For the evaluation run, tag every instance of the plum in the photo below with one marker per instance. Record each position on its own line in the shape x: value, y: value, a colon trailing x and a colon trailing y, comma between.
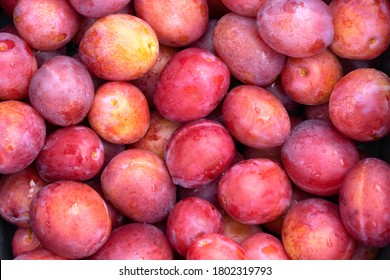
x: 264, y: 246
x: 254, y: 191
x: 119, y: 113
x: 198, y: 152
x: 237, y: 231
x: 359, y: 106
x: 96, y: 8
x: 190, y: 218
x: 70, y: 219
x: 62, y: 91
x: 214, y: 246
x: 71, y: 153
x: 313, y: 230
x: 16, y: 193
x: 18, y: 66
x: 45, y: 24
x: 317, y: 156
x: 138, y: 184
x: 310, y: 80
x: 176, y: 23
x: 365, y: 202
x: 296, y: 28
x: 194, y: 78
x: 119, y: 47
x: 39, y: 254
x: 361, y: 28
x: 135, y: 241
x: 247, y: 8
x: 249, y: 58
x: 23, y: 241
x: 159, y: 132
x: 255, y: 117
x: 23, y: 134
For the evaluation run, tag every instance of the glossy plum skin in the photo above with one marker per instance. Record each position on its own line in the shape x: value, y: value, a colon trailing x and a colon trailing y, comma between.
x: 135, y: 241
x: 190, y: 218
x: 194, y: 78
x: 157, y: 137
x: 23, y: 134
x: 359, y: 105
x: 310, y: 80
x: 312, y: 25
x: 70, y: 219
x: 71, y: 153
x: 16, y: 193
x: 313, y: 230
x: 362, y: 28
x: 255, y: 117
x: 254, y: 191
x: 138, y: 184
x: 119, y: 113
x: 96, y: 8
x: 18, y: 66
x: 244, y: 7
x: 198, y: 152
x: 23, y: 241
x: 45, y: 24
x: 39, y: 254
x: 264, y: 246
x: 237, y: 231
x: 188, y: 19
x: 238, y: 44
x: 316, y: 157
x: 147, y: 83
x: 62, y: 91
x: 119, y: 47
x: 214, y: 246
x: 365, y: 202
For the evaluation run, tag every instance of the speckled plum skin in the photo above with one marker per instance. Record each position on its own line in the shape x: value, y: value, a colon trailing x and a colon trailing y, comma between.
x: 365, y: 202
x: 214, y: 246
x: 191, y: 85
x: 23, y: 134
x: 310, y: 80
x: 45, y: 24
x: 70, y: 219
x: 254, y: 191
x: 317, y: 156
x: 198, y: 152
x: 136, y: 241
x: 255, y: 117
x: 359, y: 106
x: 97, y: 8
x: 238, y: 44
x: 296, y: 28
x: 16, y: 193
x: 190, y: 218
x: 18, y: 66
x: 138, y: 184
x: 62, y: 91
x: 313, y: 230
x: 188, y: 19
x: 71, y: 153
x: 362, y: 28
x: 119, y: 47
x: 119, y: 113
x: 264, y: 246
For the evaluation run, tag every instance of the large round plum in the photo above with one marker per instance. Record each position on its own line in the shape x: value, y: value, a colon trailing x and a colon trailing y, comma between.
x: 70, y: 219
x: 23, y: 134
